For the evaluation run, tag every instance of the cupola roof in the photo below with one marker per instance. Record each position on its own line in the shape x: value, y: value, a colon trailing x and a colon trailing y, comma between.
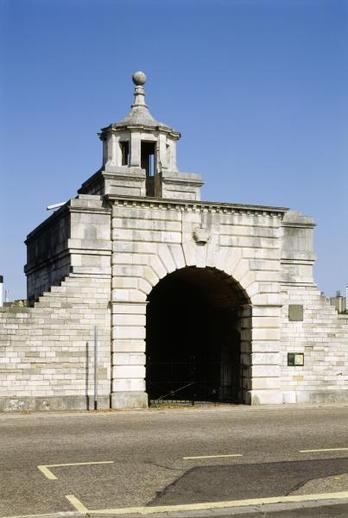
x: 139, y: 115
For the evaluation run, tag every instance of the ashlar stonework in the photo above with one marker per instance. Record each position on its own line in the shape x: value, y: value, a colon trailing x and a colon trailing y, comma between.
x: 191, y: 300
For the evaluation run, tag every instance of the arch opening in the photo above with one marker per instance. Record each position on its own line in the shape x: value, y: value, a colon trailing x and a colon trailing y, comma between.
x: 197, y: 338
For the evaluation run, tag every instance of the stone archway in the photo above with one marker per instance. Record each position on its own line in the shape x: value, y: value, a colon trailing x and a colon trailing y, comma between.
x: 196, y: 344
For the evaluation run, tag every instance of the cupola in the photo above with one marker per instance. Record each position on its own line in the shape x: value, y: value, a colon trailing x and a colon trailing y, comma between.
x: 139, y: 155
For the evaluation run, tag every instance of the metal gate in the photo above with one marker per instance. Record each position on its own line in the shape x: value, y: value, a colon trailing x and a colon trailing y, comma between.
x: 194, y: 380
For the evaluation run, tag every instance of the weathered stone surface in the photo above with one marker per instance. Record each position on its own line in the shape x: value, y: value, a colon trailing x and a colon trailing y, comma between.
x: 129, y: 400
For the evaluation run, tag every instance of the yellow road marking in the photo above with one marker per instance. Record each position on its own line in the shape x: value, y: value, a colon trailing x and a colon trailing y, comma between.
x: 44, y: 468
x: 75, y: 502
x: 213, y: 456
x: 323, y: 449
x: 220, y: 505
x: 342, y: 495
x: 38, y: 515
x: 48, y: 474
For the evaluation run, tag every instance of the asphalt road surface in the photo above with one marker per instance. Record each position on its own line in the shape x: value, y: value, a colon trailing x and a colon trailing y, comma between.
x: 216, y: 461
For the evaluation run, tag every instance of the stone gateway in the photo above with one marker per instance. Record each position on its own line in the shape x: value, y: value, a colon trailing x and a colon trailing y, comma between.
x: 185, y: 299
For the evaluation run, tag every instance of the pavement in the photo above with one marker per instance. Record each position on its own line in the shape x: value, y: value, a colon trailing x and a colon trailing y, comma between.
x: 216, y: 461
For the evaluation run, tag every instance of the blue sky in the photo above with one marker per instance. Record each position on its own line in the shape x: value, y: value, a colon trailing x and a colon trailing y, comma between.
x: 258, y: 89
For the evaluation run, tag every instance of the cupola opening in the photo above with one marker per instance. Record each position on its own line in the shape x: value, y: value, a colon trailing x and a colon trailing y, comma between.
x: 148, y: 157
x: 125, y: 152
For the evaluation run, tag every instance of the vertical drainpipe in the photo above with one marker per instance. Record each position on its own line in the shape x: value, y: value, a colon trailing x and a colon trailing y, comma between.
x: 1, y: 291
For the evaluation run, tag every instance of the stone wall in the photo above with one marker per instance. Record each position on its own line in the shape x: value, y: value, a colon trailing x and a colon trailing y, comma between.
x: 181, y: 186
x: 75, y: 239
x: 48, y: 260
x: 46, y: 352
x: 322, y: 336
x: 117, y: 250
x: 152, y: 239
x: 316, y: 331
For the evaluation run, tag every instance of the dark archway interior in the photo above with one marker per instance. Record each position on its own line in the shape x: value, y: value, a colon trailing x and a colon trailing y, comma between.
x: 193, y: 337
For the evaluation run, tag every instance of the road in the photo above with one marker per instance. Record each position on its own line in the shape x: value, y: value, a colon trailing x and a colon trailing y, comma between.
x: 221, y: 461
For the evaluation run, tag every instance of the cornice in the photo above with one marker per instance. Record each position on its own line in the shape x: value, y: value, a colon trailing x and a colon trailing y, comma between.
x: 119, y: 128
x: 298, y: 225
x: 192, y: 205
x: 175, y: 180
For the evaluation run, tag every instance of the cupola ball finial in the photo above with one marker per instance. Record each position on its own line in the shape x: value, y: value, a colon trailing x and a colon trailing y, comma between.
x: 139, y: 78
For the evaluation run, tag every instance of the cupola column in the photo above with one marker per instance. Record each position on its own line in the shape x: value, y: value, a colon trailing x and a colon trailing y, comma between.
x: 111, y: 150
x: 172, y: 155
x: 162, y: 152
x: 135, y: 149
